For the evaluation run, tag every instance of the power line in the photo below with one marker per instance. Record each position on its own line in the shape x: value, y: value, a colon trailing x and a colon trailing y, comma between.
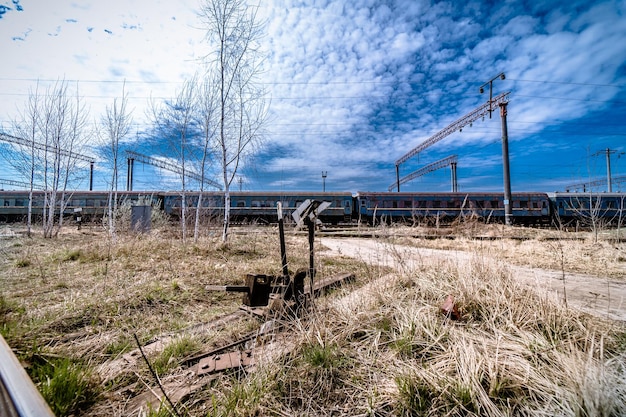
x: 373, y: 82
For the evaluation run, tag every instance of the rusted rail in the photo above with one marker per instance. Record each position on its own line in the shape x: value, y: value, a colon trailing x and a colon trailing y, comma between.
x: 218, y: 360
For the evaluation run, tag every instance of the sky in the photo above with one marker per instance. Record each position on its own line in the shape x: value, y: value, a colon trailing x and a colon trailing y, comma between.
x: 354, y: 85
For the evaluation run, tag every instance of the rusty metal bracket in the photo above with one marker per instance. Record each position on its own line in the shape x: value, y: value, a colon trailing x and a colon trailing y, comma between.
x: 221, y: 362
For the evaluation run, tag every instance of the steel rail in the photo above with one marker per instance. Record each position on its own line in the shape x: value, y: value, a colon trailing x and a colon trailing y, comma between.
x: 18, y: 394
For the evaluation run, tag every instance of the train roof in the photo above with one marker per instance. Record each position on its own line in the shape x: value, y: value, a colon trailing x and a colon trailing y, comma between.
x: 269, y: 193
x: 443, y: 194
x: 585, y: 194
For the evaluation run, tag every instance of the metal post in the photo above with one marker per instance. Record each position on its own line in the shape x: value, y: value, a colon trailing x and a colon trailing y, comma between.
x: 398, y: 176
x: 490, y: 82
x: 91, y: 176
x: 129, y: 174
x: 311, y: 226
x: 281, y: 233
x: 324, y: 175
x: 508, y: 213
x: 608, y: 170
x: 455, y: 187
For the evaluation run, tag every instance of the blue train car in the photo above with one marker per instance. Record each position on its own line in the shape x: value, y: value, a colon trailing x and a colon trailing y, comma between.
x: 585, y: 208
x: 14, y: 204
x: 212, y: 203
x: 526, y: 207
x: 261, y: 205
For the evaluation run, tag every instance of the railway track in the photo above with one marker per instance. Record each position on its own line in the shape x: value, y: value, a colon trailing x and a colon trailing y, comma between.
x: 445, y: 233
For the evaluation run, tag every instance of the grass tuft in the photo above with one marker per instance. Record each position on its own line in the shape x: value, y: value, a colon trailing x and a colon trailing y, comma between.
x: 23, y: 263
x: 169, y: 358
x: 68, y: 387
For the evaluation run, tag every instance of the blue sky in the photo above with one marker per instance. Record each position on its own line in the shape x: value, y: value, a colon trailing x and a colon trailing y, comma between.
x: 354, y: 85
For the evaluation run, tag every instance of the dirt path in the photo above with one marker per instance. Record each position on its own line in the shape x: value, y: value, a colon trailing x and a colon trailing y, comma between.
x: 593, y: 294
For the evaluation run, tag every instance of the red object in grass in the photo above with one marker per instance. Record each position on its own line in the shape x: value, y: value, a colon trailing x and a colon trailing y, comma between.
x: 449, y: 308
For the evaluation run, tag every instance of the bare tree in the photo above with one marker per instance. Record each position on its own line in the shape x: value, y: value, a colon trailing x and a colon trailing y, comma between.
x: 233, y: 33
x: 24, y: 160
x: 589, y: 211
x: 54, y: 123
x: 175, y: 119
x: 116, y: 124
x: 206, y: 110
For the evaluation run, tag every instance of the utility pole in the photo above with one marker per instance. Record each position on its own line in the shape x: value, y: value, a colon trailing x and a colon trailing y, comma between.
x: 490, y: 82
x: 240, y: 179
x: 324, y: 175
x: 608, y: 153
x: 609, y: 186
x: 508, y: 212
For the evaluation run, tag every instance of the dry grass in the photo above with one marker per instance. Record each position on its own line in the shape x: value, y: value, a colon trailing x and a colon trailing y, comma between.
x: 381, y: 349
x: 536, y: 248
x: 387, y: 350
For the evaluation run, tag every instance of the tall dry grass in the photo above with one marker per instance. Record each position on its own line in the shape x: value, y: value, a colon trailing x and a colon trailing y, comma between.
x: 386, y: 349
x: 382, y: 349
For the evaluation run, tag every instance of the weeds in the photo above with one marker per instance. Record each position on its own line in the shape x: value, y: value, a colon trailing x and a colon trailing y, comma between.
x: 173, y: 353
x: 381, y: 348
x: 415, y: 397
x: 23, y: 263
x: 68, y: 387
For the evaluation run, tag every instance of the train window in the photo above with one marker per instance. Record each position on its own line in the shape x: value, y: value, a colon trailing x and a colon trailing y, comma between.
x: 436, y: 203
x: 610, y: 204
x: 363, y: 203
x: 6, y: 203
x: 255, y: 203
x: 494, y: 204
x: 90, y: 202
x: 407, y: 204
x: 348, y: 204
x: 241, y: 203
x: 19, y: 203
x: 523, y: 204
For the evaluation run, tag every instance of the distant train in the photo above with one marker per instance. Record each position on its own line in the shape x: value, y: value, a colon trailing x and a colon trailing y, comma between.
x: 366, y: 207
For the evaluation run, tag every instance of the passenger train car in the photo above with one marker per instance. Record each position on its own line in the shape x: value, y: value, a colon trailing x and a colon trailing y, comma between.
x: 261, y: 206
x: 587, y: 207
x: 526, y: 207
x: 370, y: 207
